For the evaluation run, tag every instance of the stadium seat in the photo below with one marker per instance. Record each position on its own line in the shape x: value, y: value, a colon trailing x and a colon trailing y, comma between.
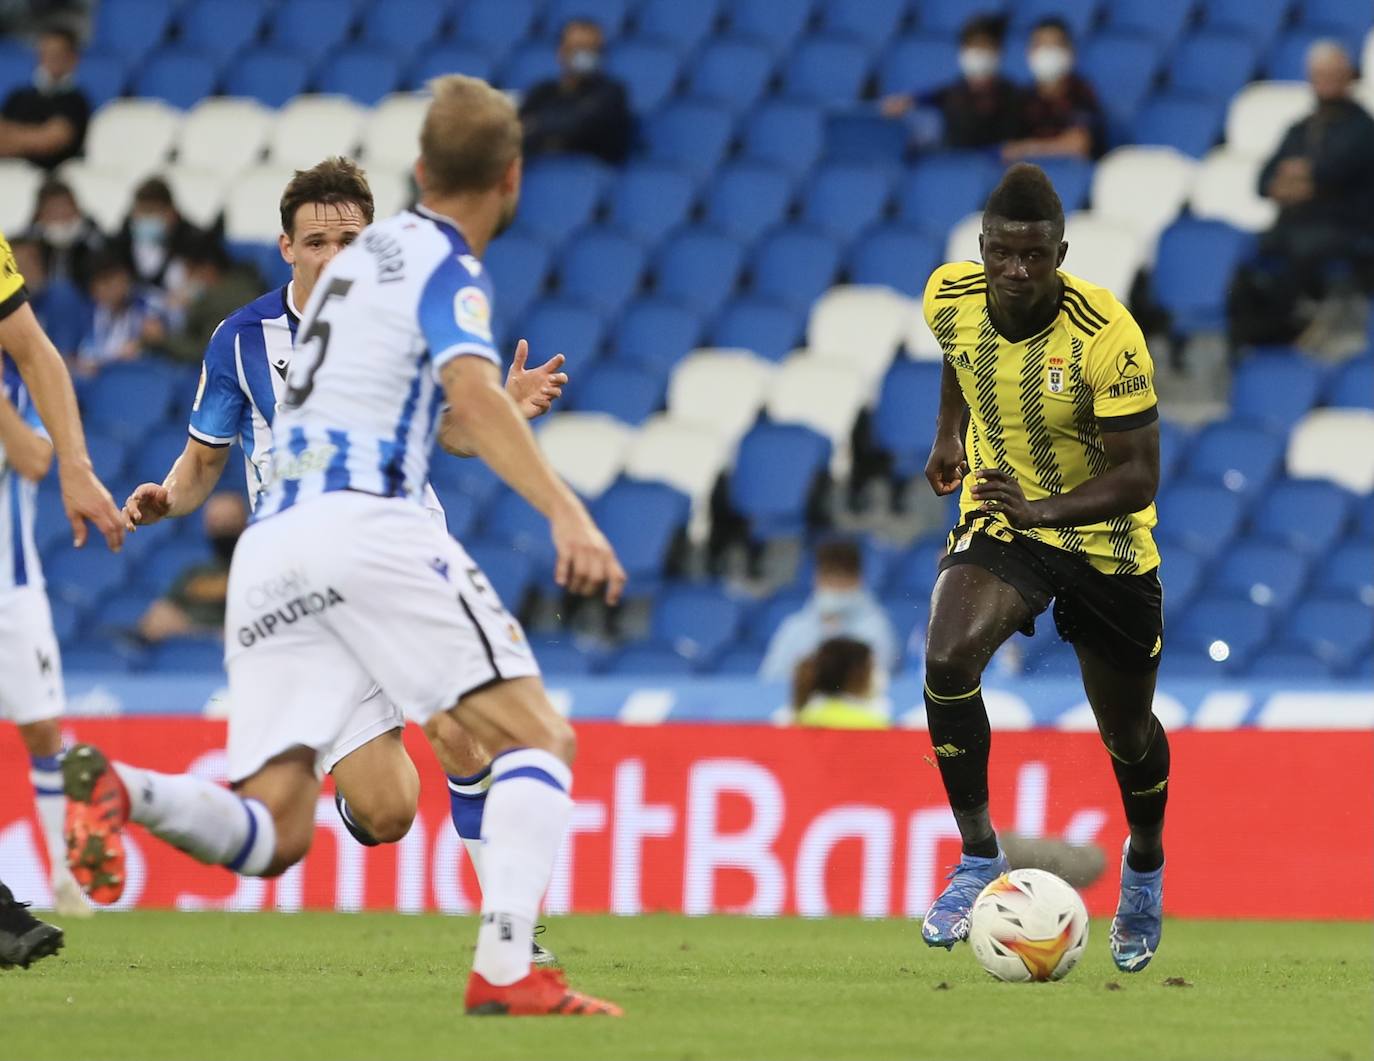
x: 913, y: 574
x: 1122, y: 67
x: 693, y: 136
x: 563, y: 659
x: 648, y: 661
x: 131, y: 135
x: 678, y: 25
x: 738, y: 661
x: 1187, y: 124
x: 562, y: 326
x: 1229, y: 632
x: 559, y: 196
x: 186, y: 655
x: 897, y: 256
x: 102, y: 76
x: 360, y: 73
x: 1079, y: 15
x: 642, y: 521
x: 1142, y: 188
x: 1268, y: 575
x: 1289, y: 666
x: 719, y: 389
x: 108, y: 458
x: 647, y: 201
x: 825, y: 71
x: 1274, y: 392
x: 863, y: 327
x: 775, y: 25
x: 66, y: 620
x: 510, y: 521
x: 1193, y: 271
x: 1071, y: 177
x: 843, y: 198
x: 220, y: 28
x: 794, y: 265
x: 494, y: 26
x: 1305, y: 515
x: 874, y: 22
x: 763, y: 620
x: 1352, y: 385
x: 1242, y: 459
x: 86, y: 657
x: 1163, y: 20
x: 918, y: 65
x: 530, y: 63
x: 656, y: 333
x: 470, y: 483
x: 223, y: 136
x: 745, y: 199
x: 1348, y: 572
x: 402, y: 27
x: 19, y: 183
x: 962, y: 244
x: 1287, y: 59
x: 310, y: 128
x: 1334, y: 444
x: 1181, y: 573
x: 1337, y: 631
x: 766, y: 328
x: 446, y: 57
x: 696, y: 622
x: 1343, y: 17
x: 602, y: 268
x: 699, y: 269
x: 627, y: 392
x: 942, y: 189
x: 586, y: 449
x: 1260, y: 113
x: 729, y: 73
x: 251, y: 209
x: 861, y: 136
x: 391, y: 132
x: 824, y: 394
x: 307, y: 29
x: 176, y: 76
x: 509, y: 573
x: 1202, y: 518
x: 910, y: 395
x: 1104, y: 251
x: 272, y: 77
x: 785, y: 134
x: 1258, y: 20
x: 775, y: 470
x: 608, y: 14
x: 1212, y: 64
x: 1227, y: 189
x: 1172, y: 442
x: 81, y: 577
x: 519, y: 267
x: 688, y: 457
x: 104, y: 195
x: 649, y: 72
x: 947, y: 17
x: 130, y: 28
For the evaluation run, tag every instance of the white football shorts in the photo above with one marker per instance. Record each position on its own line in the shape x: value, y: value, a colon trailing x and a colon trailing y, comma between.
x: 30, y: 663
x: 340, y: 595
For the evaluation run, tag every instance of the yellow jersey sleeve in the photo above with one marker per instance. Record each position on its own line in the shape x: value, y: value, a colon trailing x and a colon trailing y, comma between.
x: 11, y: 281
x: 1121, y: 374
x: 947, y: 279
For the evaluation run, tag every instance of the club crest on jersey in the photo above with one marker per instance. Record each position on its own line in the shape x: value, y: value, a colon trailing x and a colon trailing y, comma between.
x: 472, y: 311
x: 1054, y: 375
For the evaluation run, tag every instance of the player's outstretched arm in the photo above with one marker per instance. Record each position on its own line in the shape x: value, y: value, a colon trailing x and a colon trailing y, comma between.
x: 947, y: 464
x: 45, y: 376
x: 193, y: 477
x: 487, y: 423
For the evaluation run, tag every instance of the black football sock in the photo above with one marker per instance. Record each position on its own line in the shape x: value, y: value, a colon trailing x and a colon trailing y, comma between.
x: 961, y: 737
x: 1144, y: 788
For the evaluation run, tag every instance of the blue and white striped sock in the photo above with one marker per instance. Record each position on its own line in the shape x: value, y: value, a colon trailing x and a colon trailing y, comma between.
x: 467, y: 799
x: 45, y: 772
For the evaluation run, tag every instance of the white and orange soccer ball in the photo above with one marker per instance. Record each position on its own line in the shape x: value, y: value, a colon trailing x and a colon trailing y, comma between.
x: 1028, y: 925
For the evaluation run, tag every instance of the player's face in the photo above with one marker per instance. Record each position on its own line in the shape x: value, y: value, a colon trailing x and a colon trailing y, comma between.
x: 1019, y: 260
x: 321, y: 231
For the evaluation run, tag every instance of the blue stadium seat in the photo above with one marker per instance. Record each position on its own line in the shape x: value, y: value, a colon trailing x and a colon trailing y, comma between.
x: 1287, y: 59
x: 1122, y: 68
x: 157, y: 452
x: 1289, y: 666
x: 649, y: 201
x: 1337, y: 631
x: 509, y: 573
x: 448, y: 58
x: 156, y: 573
x: 1201, y: 518
x: 697, y: 622
x: 308, y: 29
x: 910, y: 395
x: 86, y: 657
x: 879, y: 559
x: 845, y: 198
x: 1352, y: 385
x: 1349, y: 18
x: 601, y: 267
x: 942, y: 189
x: 774, y: 472
x: 794, y: 266
x: 909, y: 618
x: 947, y: 17
x: 1229, y: 631
x: 83, y: 576
x: 861, y: 135
x: 271, y: 76
x: 648, y: 71
x: 186, y: 655
x: 402, y: 27
x: 1348, y: 571
x: 1079, y: 14
x: 130, y: 29
x: 699, y: 269
x: 746, y: 199
x: 1164, y: 20
x: 362, y: 73
x: 16, y: 66
x: 1306, y: 515
x: 678, y: 25
x: 918, y: 65
x: 142, y: 546
x: 642, y: 520
x: 826, y: 70
x: 470, y: 484
x: 608, y: 14
x: 220, y: 28
x: 1275, y: 391
x: 560, y: 195
x: 769, y: 329
x: 530, y: 63
x: 897, y: 256
x: 1190, y: 125
x: 563, y: 658
x: 872, y: 21
x: 790, y: 135
x: 1268, y: 575
x: 66, y: 621
x: 177, y: 77
x: 265, y: 258
x: 51, y: 528
x: 118, y: 615
x: 103, y: 76
x: 656, y: 333
x: 1259, y: 20
x: 128, y: 396
x: 774, y: 24
x: 1172, y: 441
x: 562, y: 326
x: 1193, y: 270
x: 627, y: 392
x: 730, y: 73
x: 913, y: 575
x: 766, y: 616
x: 1242, y: 459
x: 693, y: 136
x: 109, y: 456
x: 1213, y: 64
x: 1072, y: 178
x: 460, y: 518
x: 510, y: 522
x: 1181, y: 573
x: 649, y: 661
x: 493, y: 25
x: 519, y: 266
x: 738, y: 661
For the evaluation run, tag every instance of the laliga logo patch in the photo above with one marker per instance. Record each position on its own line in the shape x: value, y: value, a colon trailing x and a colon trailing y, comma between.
x: 472, y: 311
x: 1054, y: 375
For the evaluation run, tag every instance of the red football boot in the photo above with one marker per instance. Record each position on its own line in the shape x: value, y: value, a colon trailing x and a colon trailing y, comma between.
x: 97, y: 811
x: 543, y: 993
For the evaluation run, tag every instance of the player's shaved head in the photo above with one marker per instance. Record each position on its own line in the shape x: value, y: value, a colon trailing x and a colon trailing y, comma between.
x: 470, y: 137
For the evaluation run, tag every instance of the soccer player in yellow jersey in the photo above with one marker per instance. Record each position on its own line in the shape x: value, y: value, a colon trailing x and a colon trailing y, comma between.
x: 1053, y: 378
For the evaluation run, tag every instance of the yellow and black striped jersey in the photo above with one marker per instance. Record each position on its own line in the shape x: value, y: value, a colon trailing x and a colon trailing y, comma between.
x: 11, y: 281
x: 1038, y: 407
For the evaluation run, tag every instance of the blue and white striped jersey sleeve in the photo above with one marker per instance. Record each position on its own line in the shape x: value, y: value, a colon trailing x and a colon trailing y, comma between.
x: 30, y: 413
x: 217, y: 415
x: 455, y: 314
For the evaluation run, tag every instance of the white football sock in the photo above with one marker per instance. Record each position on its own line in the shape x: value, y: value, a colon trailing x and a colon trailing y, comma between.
x: 45, y: 772
x: 474, y: 850
x: 204, y: 819
x: 526, y: 816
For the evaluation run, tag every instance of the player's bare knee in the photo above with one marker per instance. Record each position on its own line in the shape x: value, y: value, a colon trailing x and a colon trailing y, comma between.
x: 952, y: 669
x: 391, y: 823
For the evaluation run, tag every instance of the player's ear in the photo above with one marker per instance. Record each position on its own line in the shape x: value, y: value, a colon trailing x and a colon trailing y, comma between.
x: 1063, y: 252
x: 980, y: 246
x: 420, y: 181
x: 288, y: 254
x: 510, y: 182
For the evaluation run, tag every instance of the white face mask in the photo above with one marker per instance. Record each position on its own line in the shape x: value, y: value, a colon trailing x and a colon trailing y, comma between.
x: 977, y: 64
x: 1050, y: 63
x: 61, y: 233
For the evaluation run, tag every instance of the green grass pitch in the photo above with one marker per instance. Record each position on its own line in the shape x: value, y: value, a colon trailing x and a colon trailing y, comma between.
x: 338, y: 986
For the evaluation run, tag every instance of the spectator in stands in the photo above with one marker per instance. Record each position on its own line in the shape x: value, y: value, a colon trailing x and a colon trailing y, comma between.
x: 195, y: 603
x: 46, y: 122
x: 839, y: 607
x: 582, y: 112
x: 155, y: 238
x: 833, y: 688
x: 68, y: 238
x: 980, y: 109
x: 214, y: 288
x: 1322, y: 177
x: 1060, y: 116
x: 61, y: 308
x: 126, y: 320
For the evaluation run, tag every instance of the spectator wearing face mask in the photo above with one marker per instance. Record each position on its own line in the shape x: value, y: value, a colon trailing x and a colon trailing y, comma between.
x: 839, y: 607
x: 982, y: 108
x: 68, y: 239
x: 126, y: 320
x: 155, y: 238
x: 46, y: 122
x: 583, y: 111
x: 61, y: 308
x: 195, y: 603
x: 1060, y: 116
x: 214, y: 288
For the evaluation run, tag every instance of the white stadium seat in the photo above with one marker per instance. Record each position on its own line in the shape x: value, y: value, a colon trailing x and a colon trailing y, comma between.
x: 224, y: 135
x: 1334, y: 444
x: 391, y: 133
x: 251, y: 210
x: 105, y: 195
x: 1261, y: 113
x: 586, y: 449
x: 390, y: 191
x: 311, y: 128
x: 1226, y: 190
x: 863, y: 326
x: 687, y: 456
x: 821, y: 393
x: 719, y: 390
x: 1143, y: 188
x: 19, y: 182
x: 962, y: 243
x: 198, y: 193
x: 1364, y: 91
x: 1103, y: 252
x: 132, y: 136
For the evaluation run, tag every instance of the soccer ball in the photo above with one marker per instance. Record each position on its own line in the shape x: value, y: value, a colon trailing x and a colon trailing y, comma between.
x: 1028, y: 925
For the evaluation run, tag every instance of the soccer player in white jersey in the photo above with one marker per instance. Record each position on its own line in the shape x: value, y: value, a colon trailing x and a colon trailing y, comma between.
x: 343, y: 579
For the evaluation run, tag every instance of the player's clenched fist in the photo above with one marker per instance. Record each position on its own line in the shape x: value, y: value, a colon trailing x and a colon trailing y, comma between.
x: 947, y: 465
x: 586, y: 561
x: 146, y: 505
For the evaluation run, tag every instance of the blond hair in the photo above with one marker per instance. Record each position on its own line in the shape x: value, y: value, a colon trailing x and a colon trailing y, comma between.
x: 470, y: 136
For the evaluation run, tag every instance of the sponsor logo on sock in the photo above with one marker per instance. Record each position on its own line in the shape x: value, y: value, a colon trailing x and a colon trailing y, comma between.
x: 1153, y: 790
x: 505, y: 929
x: 1159, y: 644
x: 265, y: 626
x: 948, y: 751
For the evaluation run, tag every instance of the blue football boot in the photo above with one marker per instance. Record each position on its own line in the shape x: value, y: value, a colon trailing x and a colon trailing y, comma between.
x: 1139, y: 920
x: 946, y: 922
